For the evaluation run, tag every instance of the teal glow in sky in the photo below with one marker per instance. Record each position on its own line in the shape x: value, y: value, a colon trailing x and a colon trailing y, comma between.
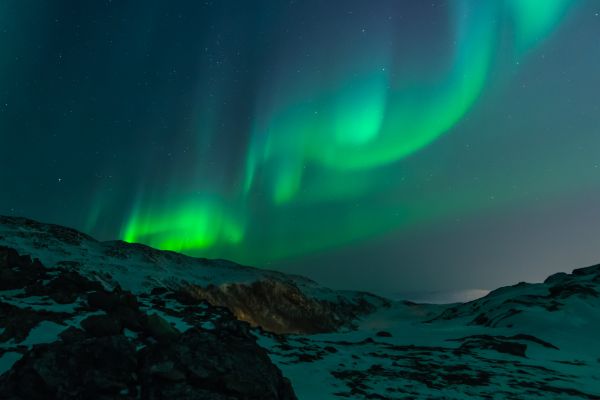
x: 354, y: 115
x: 273, y: 134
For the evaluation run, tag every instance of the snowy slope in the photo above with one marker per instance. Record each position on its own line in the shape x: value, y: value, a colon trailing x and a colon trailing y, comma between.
x: 528, y: 341
x: 277, y: 301
x: 135, y: 267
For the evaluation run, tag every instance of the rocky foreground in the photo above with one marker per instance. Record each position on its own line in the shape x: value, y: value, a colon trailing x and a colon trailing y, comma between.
x: 82, y: 319
x: 76, y: 340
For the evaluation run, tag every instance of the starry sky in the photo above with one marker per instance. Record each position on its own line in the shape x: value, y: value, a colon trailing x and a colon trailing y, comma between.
x: 390, y: 145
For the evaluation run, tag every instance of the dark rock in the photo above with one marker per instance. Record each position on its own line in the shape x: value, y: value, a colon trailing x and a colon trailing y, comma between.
x: 280, y: 306
x: 330, y: 349
x: 486, y: 342
x: 558, y: 277
x: 16, y: 271
x: 383, y: 334
x: 594, y: 269
x: 64, y: 288
x: 72, y: 334
x: 9, y: 258
x: 160, y: 329
x: 122, y: 306
x: 99, y: 362
x: 102, y: 325
x: 571, y: 289
x: 158, y: 302
x: 217, y: 363
x: 91, y: 368
x: 157, y: 291
x: 130, y: 318
x: 18, y: 322
x: 103, y: 300
x: 167, y: 371
x: 71, y: 281
x: 129, y: 300
x: 185, y: 297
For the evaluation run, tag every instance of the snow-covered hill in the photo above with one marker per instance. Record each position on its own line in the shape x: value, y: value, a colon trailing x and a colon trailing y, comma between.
x: 279, y: 302
x: 528, y: 341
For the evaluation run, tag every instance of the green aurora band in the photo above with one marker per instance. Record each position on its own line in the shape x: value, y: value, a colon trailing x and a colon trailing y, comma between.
x: 321, y: 148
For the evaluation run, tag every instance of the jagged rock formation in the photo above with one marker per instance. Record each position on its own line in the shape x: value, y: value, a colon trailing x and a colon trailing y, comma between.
x: 281, y: 307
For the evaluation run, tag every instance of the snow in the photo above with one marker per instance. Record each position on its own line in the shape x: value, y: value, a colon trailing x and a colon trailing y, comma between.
x: 208, y: 325
x: 178, y: 323
x: 41, y: 303
x: 8, y: 359
x: 418, y: 356
x: 44, y: 332
x: 360, y: 349
x: 136, y: 267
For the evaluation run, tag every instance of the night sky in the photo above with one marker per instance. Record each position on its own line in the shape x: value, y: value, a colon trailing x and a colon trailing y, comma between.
x: 394, y: 146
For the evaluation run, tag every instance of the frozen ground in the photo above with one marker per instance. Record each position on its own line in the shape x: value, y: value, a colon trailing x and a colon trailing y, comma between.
x: 528, y: 341
x: 396, y: 355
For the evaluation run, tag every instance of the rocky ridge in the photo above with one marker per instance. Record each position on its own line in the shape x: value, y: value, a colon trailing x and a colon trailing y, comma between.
x: 180, y: 327
x: 64, y: 336
x: 274, y: 301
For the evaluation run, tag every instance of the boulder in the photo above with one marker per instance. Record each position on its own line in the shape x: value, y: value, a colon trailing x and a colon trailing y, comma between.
x: 160, y: 329
x: 101, y: 325
x: 224, y: 363
x: 90, y: 368
x: 103, y: 300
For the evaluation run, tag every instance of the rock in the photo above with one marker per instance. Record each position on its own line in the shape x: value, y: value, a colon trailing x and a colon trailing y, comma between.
x: 160, y: 329
x: 593, y: 270
x: 72, y: 334
x: 280, y: 306
x: 220, y: 364
x: 122, y: 306
x: 157, y: 291
x: 103, y: 300
x: 132, y: 319
x: 91, y: 368
x: 558, y: 277
x: 565, y: 290
x: 383, y: 334
x: 487, y: 342
x: 101, y: 325
x: 198, y: 365
x: 129, y: 300
x: 17, y: 322
x: 64, y: 288
x: 17, y: 272
x: 9, y: 258
x: 167, y: 371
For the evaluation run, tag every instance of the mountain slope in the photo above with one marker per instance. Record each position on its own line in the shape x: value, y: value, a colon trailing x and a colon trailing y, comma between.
x: 175, y: 322
x: 275, y: 301
x: 527, y: 341
x: 63, y: 336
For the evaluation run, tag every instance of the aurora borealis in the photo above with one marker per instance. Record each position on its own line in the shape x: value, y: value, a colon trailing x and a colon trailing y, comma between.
x: 291, y: 134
